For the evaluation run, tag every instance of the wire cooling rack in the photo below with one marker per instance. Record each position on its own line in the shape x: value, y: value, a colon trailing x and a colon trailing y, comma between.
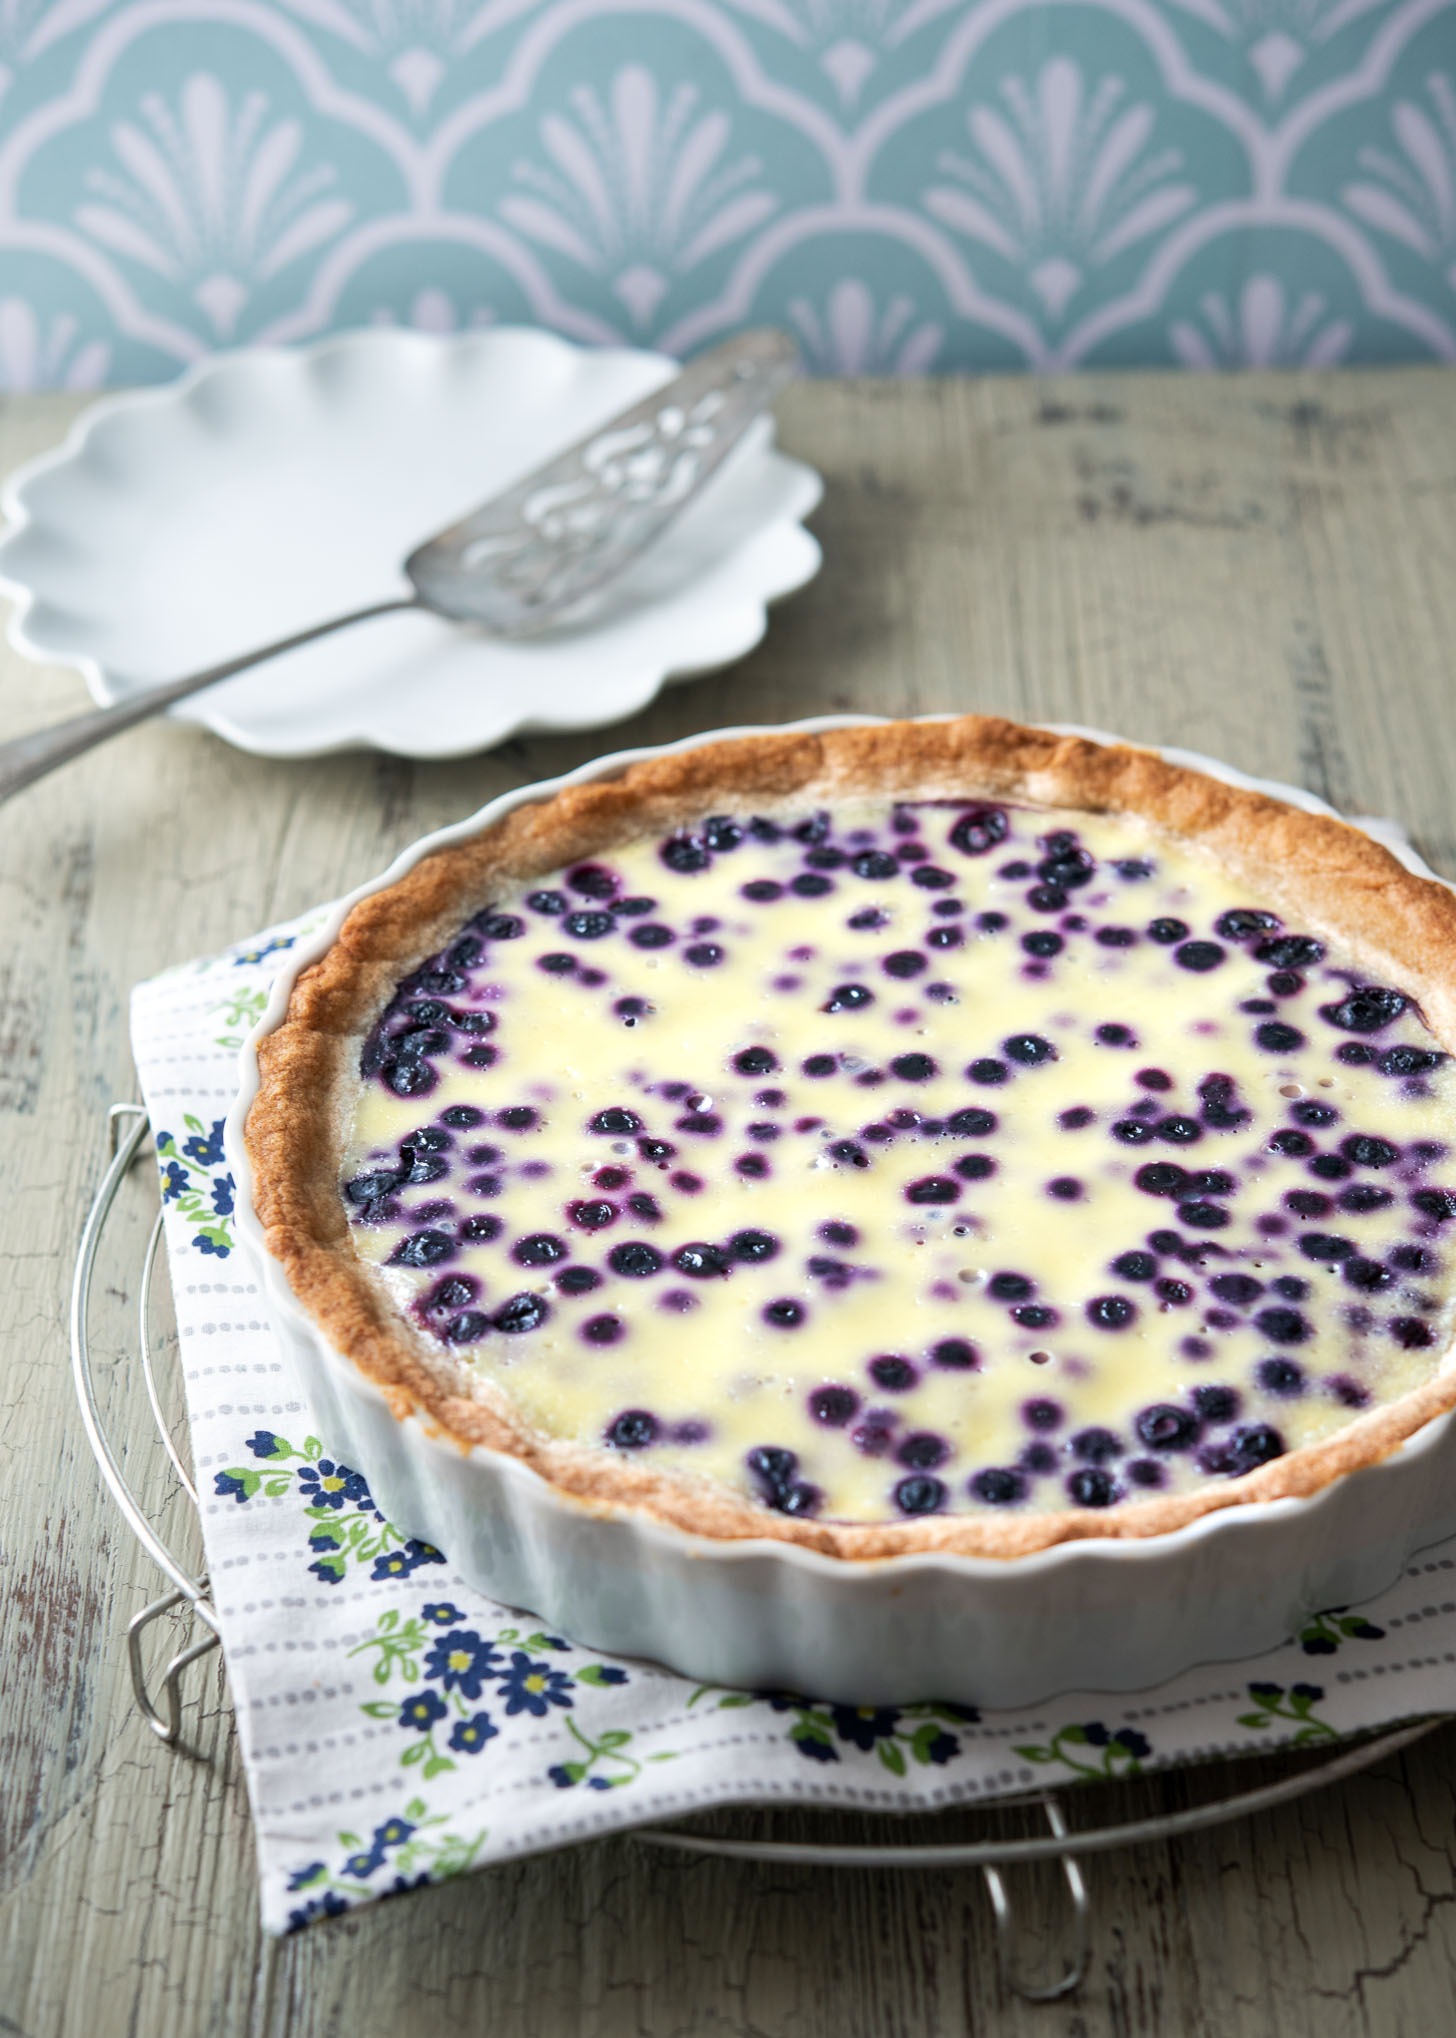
x: 159, y: 1694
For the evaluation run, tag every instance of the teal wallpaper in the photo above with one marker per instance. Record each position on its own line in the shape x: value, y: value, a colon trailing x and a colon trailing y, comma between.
x: 909, y: 185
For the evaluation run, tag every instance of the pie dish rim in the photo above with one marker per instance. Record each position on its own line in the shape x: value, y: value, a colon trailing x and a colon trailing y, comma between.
x: 593, y: 1478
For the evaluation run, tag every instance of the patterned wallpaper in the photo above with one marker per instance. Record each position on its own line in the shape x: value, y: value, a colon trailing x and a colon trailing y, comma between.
x: 908, y: 185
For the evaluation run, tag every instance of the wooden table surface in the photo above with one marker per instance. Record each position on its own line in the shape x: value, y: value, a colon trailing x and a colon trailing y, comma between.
x: 1260, y: 567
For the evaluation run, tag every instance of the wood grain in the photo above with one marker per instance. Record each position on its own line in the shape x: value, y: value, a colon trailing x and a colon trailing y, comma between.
x: 1260, y: 567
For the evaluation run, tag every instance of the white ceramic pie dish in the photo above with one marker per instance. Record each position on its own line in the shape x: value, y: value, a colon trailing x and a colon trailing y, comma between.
x: 1111, y: 1615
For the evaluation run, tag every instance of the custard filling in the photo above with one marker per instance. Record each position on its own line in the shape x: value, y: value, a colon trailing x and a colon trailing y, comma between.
x: 903, y: 1158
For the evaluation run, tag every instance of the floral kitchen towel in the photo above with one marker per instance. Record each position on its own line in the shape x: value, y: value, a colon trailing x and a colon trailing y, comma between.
x: 398, y: 1726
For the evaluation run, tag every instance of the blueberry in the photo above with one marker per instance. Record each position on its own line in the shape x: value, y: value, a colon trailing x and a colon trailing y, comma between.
x: 979, y: 829
x: 933, y: 1189
x: 1164, y: 1427
x: 1277, y: 1038
x: 1282, y: 1326
x: 972, y: 1123
x: 1134, y: 1132
x: 1252, y: 1445
x: 1367, y: 1275
x: 588, y: 926
x: 753, y: 1246
x: 999, y: 1487
x: 603, y: 1330
x: 1365, y: 1010
x: 635, y: 1260
x: 987, y: 1070
x: 1135, y: 1266
x: 422, y: 1249
x: 905, y: 962
x: 578, y: 1280
x: 1090, y: 1486
x: 931, y: 878
x: 1076, y: 1118
x: 1330, y: 1167
x: 592, y: 1216
x: 1216, y: 1404
x: 1116, y: 937
x: 755, y: 1061
x: 922, y: 1451
x: 920, y: 1494
x: 892, y: 1373
x: 1133, y: 868
x: 1364, y: 1196
x: 1368, y: 1152
x: 1240, y: 1289
x: 1290, y: 951
x: 632, y: 1430
x: 704, y: 954
x: 1042, y: 943
x: 761, y: 890
x: 833, y: 1406
x: 462, y: 1117
x: 700, y: 1262
x: 913, y: 1068
x: 1111, y: 1034
x: 540, y: 1249
x: 521, y: 1313
x: 1408, y: 1061
x: 547, y: 902
x: 1411, y: 1333
x: 615, y: 1120
x: 453, y: 1293
x: 684, y: 854
x: 499, y: 926
x: 1175, y: 1293
x: 1096, y: 1446
x: 1167, y: 931
x: 408, y: 1078
x: 945, y: 937
x: 809, y: 885
x: 1199, y: 956
x: 1180, y: 1131
x: 1043, y: 1414
x: 1161, y: 1178
x: 1111, y: 1312
x: 1201, y: 1216
x: 1280, y: 1376
x: 1029, y: 1049
x: 1439, y: 1204
x: 634, y: 908
x: 1066, y: 1189
x: 1297, y: 1144
x: 873, y: 863
x: 652, y: 934
x: 956, y: 1354
x: 481, y: 1227
x: 1242, y: 922
x: 1009, y: 1287
x: 468, y: 1328
x: 819, y: 1065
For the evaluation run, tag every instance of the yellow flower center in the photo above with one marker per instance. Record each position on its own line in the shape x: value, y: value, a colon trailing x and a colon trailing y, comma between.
x: 536, y: 1682
x: 459, y: 1659
x: 332, y: 1484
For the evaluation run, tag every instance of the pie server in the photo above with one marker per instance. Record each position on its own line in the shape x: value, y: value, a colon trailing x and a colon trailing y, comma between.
x: 532, y: 557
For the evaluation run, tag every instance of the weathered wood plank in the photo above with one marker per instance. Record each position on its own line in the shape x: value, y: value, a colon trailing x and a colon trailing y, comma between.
x: 1260, y: 567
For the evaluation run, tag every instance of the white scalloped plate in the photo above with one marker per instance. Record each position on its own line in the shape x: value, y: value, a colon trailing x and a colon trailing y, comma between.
x: 267, y: 489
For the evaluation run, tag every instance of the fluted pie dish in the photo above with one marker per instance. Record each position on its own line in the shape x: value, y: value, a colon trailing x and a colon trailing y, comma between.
x: 886, y: 1209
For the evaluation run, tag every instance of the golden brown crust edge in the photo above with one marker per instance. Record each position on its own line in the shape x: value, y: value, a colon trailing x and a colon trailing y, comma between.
x: 1327, y: 875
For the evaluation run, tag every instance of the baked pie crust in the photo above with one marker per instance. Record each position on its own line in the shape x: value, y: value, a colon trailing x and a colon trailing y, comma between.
x: 1316, y: 872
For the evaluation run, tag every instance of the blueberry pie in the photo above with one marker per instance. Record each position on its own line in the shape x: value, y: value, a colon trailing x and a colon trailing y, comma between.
x: 942, y: 1136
